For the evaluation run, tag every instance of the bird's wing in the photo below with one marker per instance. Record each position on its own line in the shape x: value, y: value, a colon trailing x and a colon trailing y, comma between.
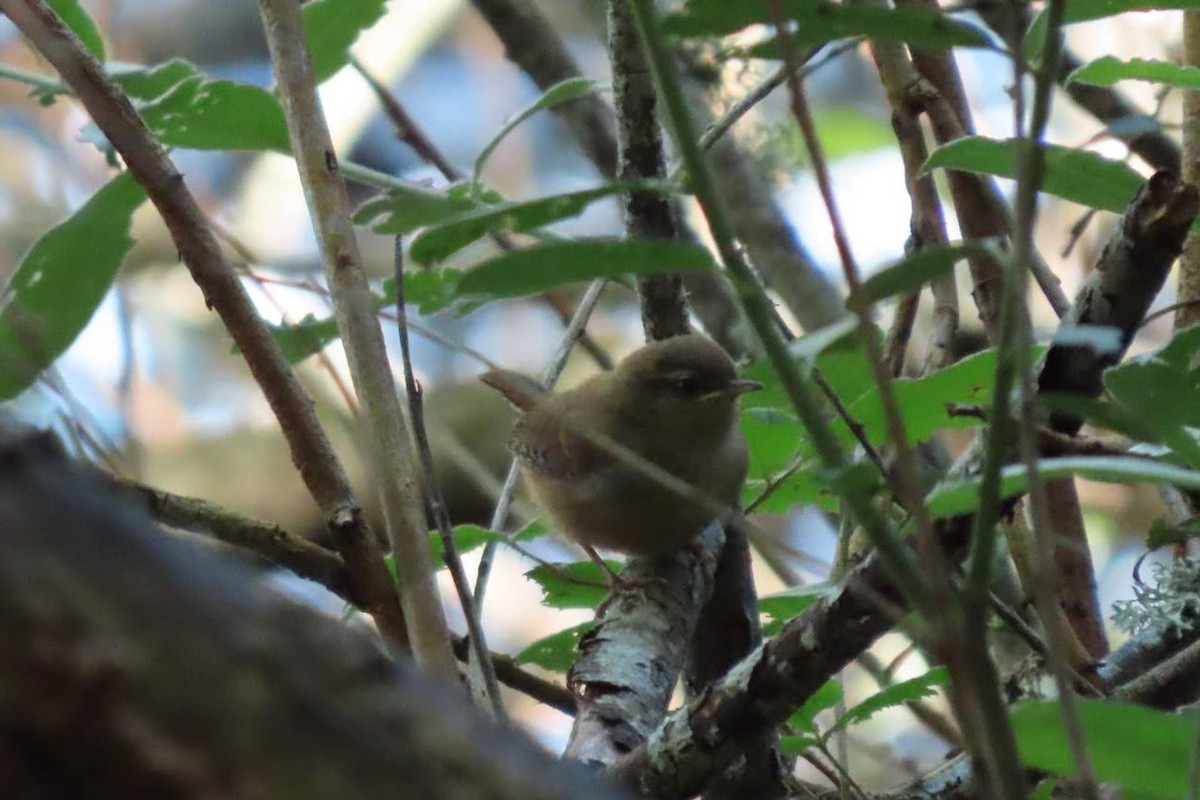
x: 548, y: 445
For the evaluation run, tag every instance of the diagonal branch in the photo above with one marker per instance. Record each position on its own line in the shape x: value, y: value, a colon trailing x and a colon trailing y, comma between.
x: 387, y: 439
x: 223, y: 292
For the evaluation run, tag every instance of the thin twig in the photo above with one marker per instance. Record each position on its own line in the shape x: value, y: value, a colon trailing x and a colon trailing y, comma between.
x: 489, y: 691
x: 1030, y: 171
x: 549, y: 377
x: 905, y: 475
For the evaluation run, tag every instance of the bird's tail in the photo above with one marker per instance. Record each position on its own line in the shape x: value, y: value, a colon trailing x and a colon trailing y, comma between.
x: 520, y: 390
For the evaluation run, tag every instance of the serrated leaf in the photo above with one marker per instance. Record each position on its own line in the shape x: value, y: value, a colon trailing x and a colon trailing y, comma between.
x: 537, y: 269
x: 1163, y: 533
x: 579, y: 584
x: 960, y: 497
x: 62, y: 280
x: 1075, y: 175
x: 1108, y: 70
x: 556, y: 652
x: 819, y: 22
x: 332, y: 26
x: 445, y: 238
x: 559, y: 93
x: 82, y: 24
x: 895, y: 695
x: 804, y: 719
x: 913, y: 272
x: 1139, y: 749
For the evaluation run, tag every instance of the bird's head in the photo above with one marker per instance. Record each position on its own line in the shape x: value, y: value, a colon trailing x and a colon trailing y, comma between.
x: 686, y: 381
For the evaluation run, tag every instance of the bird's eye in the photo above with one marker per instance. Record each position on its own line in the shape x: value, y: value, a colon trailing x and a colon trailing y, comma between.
x: 686, y: 384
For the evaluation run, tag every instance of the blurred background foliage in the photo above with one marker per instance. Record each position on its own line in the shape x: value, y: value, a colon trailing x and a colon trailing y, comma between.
x: 152, y: 388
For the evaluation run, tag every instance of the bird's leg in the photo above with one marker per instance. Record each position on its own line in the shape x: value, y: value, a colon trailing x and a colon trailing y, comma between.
x: 615, y: 581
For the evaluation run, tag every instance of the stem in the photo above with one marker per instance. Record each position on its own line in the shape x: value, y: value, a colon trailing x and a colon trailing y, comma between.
x: 387, y: 439
x: 489, y: 691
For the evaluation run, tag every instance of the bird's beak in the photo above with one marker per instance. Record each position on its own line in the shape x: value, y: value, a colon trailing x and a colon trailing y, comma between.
x: 744, y: 387
x: 735, y: 388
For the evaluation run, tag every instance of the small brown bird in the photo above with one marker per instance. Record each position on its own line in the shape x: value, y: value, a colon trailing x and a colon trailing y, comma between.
x: 672, y: 403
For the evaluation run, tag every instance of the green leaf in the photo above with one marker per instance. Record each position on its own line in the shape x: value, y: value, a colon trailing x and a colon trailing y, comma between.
x: 1159, y: 389
x: 305, y: 338
x: 804, y: 720
x: 330, y: 28
x: 923, y: 401
x: 81, y: 24
x: 1141, y: 750
x: 472, y: 537
x: 536, y: 269
x: 579, y: 584
x: 895, y: 695
x: 185, y: 108
x: 833, y: 349
x: 1088, y: 10
x: 819, y: 22
x: 1075, y: 175
x: 440, y: 241
x: 466, y: 539
x: 911, y: 273
x: 62, y: 280
x: 556, y: 652
x: 782, y: 607
x: 559, y: 93
x: 401, y: 211
x: 960, y: 497
x: 1163, y: 533
x: 1108, y: 70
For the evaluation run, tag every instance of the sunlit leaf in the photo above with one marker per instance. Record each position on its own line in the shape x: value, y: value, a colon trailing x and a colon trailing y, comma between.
x: 403, y: 210
x: 1088, y: 10
x: 911, y: 273
x: 81, y: 23
x: 330, y: 28
x: 1141, y: 750
x: 1075, y: 175
x: 1108, y: 70
x: 186, y: 108
x: 1160, y: 388
x: 446, y: 237
x: 536, y: 269
x: 819, y: 22
x: 960, y: 497
x: 62, y: 280
x: 556, y: 652
x: 580, y: 584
